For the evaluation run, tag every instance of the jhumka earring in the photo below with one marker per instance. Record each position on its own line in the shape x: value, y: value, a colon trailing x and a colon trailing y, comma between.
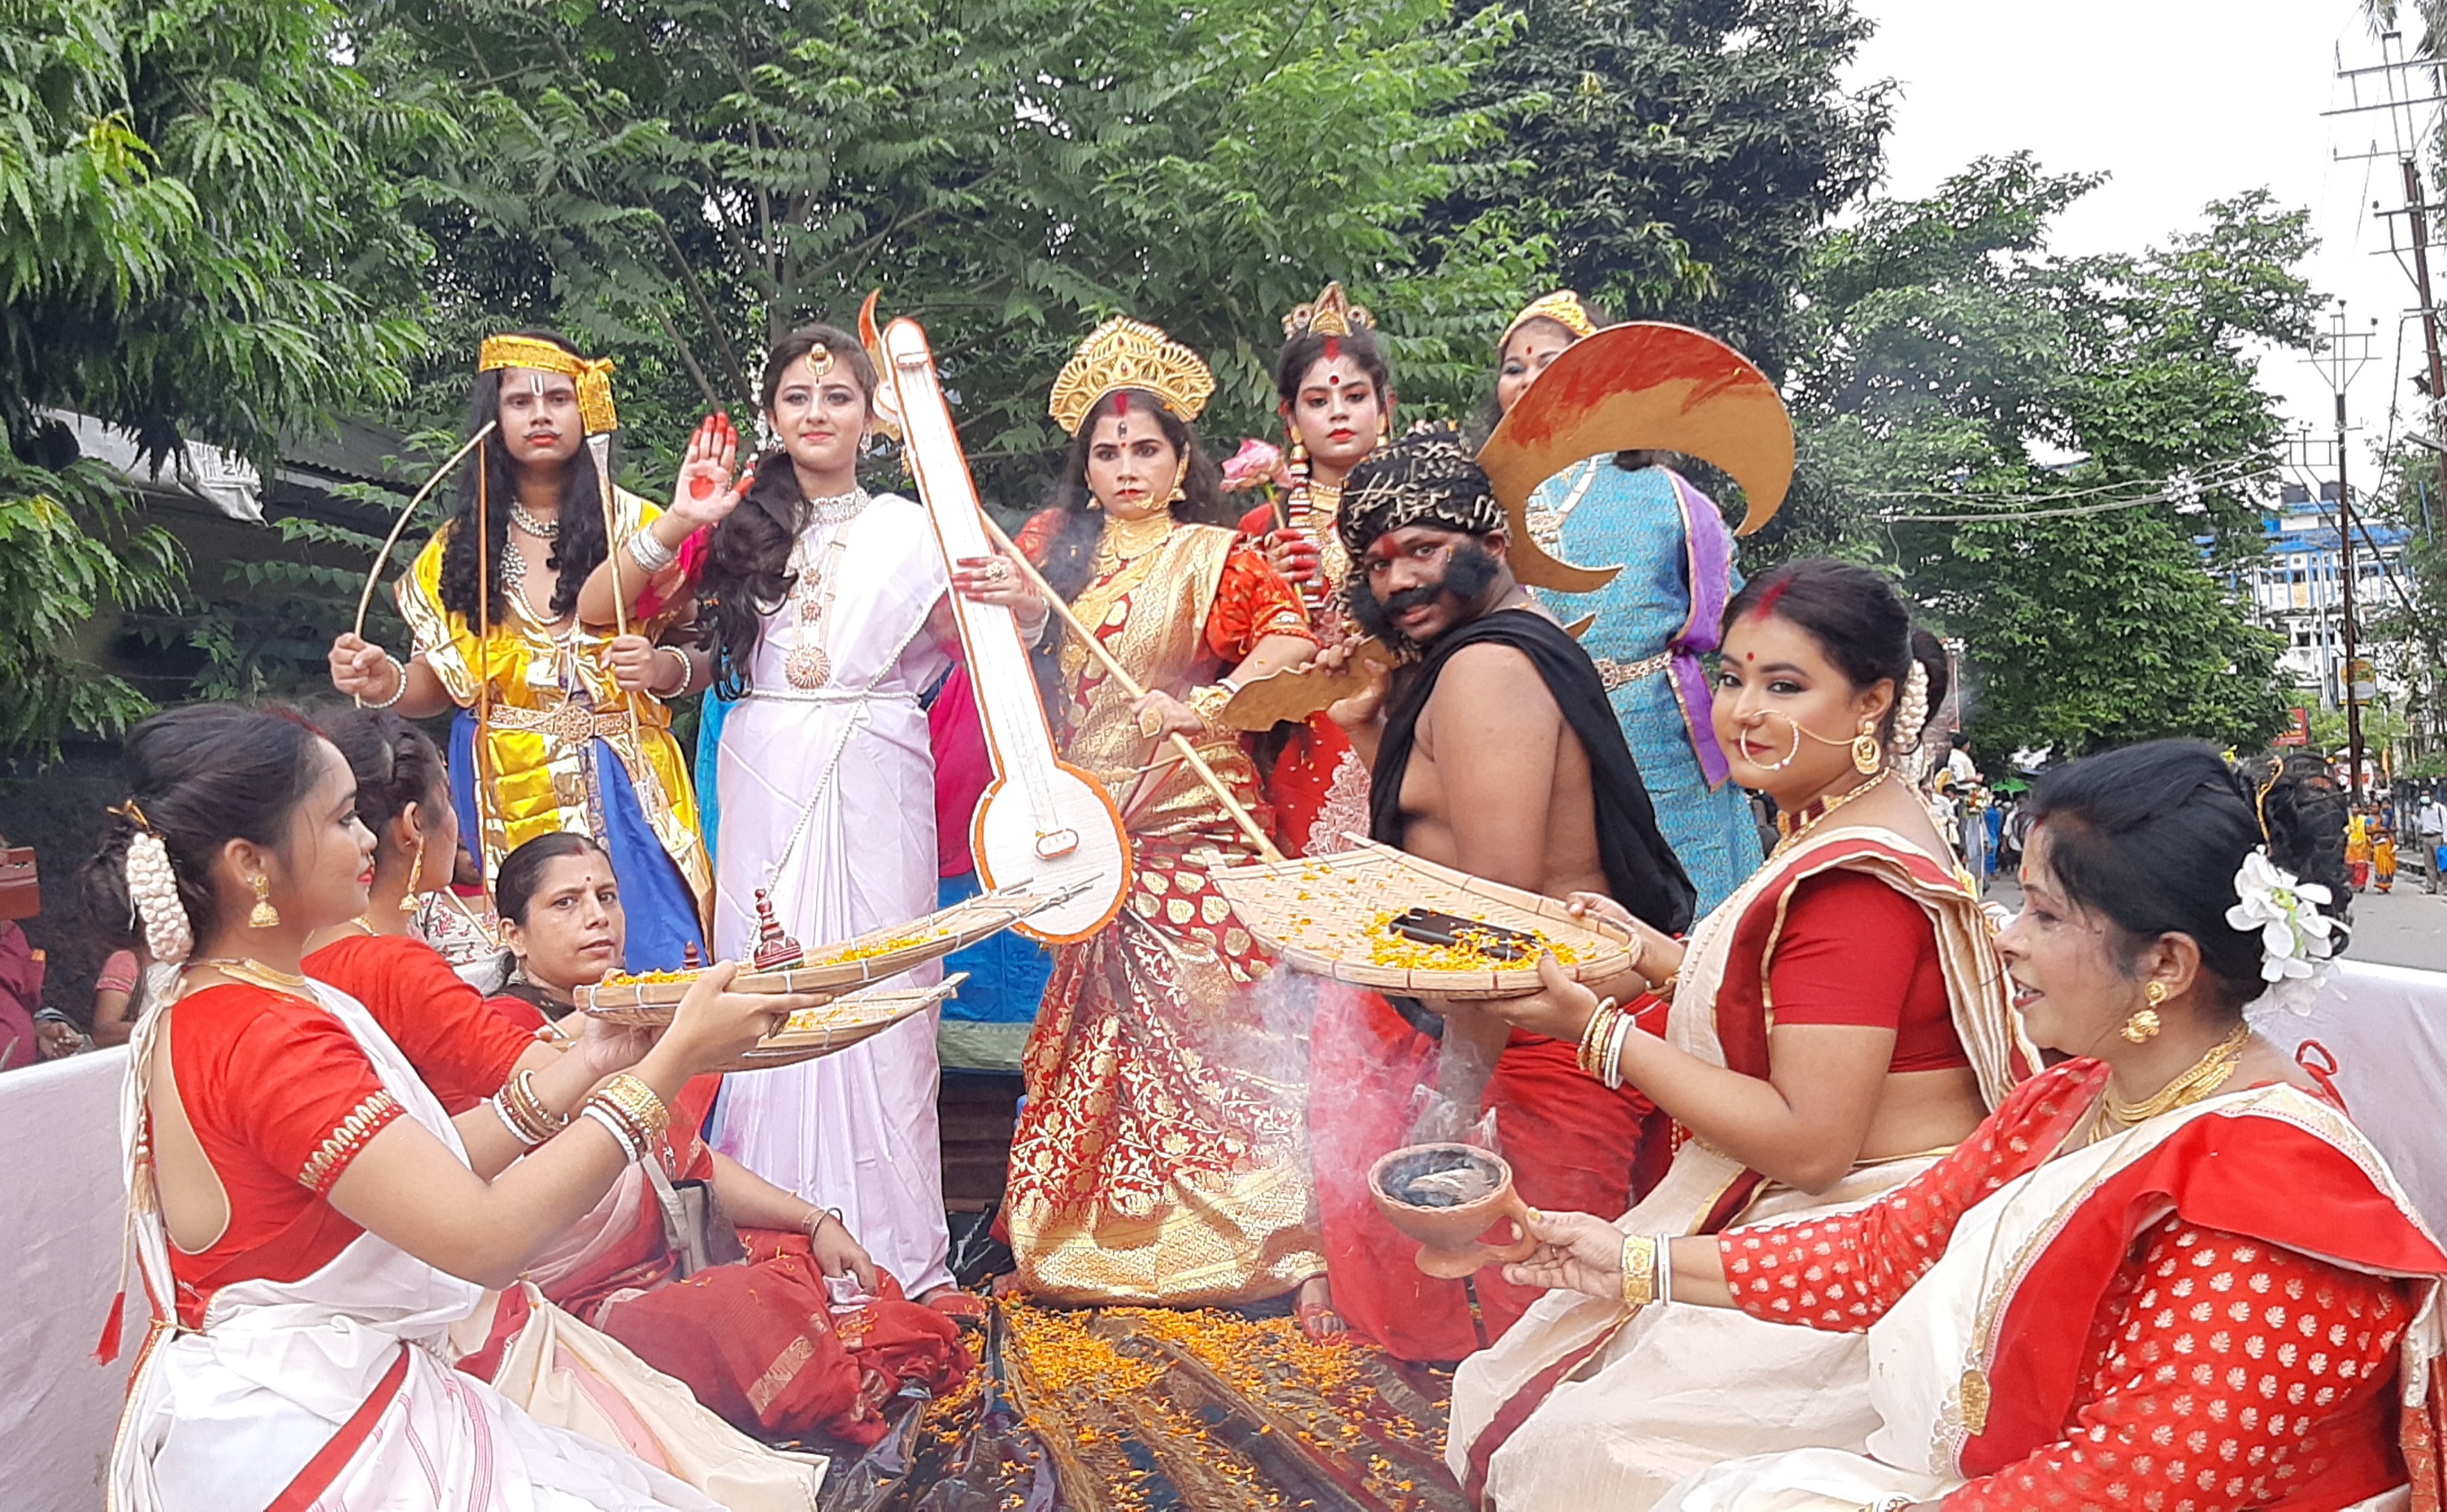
x: 1868, y: 752
x: 1180, y: 481
x: 408, y: 900
x: 263, y: 915
x: 1299, y: 449
x: 2143, y: 1026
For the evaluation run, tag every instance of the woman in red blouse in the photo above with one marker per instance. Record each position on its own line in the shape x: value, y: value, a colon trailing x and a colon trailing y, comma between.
x: 2167, y: 1274
x: 309, y: 1222
x: 1835, y: 1023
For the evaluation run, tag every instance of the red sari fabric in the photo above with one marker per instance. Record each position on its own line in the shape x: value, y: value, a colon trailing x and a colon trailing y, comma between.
x: 282, y: 1099
x: 1573, y: 1146
x: 2223, y: 1364
x: 440, y: 1022
x: 758, y: 1342
x: 761, y: 1345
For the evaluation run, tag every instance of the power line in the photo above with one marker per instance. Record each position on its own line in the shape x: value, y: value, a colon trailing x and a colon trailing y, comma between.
x: 2189, y: 488
x: 2203, y: 475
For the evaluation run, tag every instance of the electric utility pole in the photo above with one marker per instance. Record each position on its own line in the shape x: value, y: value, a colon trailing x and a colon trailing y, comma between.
x: 2342, y: 356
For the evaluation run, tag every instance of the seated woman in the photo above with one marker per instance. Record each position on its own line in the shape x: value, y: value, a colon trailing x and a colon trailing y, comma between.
x: 1835, y: 1023
x: 465, y: 1049
x: 2167, y: 1272
x: 757, y: 1341
x: 310, y: 1223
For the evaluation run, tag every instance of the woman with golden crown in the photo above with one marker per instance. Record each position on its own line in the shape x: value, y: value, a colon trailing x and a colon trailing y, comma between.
x: 1336, y: 400
x: 548, y: 735
x: 1161, y: 1157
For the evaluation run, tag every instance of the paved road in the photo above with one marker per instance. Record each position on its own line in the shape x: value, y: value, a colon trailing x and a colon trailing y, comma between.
x: 2407, y: 927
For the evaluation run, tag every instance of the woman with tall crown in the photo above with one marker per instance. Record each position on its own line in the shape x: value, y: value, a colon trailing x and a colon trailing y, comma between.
x: 1336, y: 400
x: 1658, y: 618
x: 545, y: 737
x: 1160, y: 1158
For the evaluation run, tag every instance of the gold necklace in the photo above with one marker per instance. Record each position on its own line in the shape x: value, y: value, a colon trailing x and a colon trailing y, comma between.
x: 2206, y: 1076
x: 254, y: 973
x: 1125, y: 540
x: 1794, y: 825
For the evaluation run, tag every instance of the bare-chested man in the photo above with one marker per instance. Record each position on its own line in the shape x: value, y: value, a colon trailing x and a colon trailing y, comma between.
x: 1494, y: 750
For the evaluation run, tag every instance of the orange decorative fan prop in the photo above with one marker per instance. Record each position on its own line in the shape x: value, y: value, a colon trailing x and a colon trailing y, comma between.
x: 1641, y: 386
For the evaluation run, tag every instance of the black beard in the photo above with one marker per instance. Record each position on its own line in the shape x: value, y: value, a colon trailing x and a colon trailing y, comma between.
x: 1469, y: 573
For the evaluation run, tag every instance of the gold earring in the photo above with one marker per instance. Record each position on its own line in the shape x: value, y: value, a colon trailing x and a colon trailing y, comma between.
x: 1868, y: 752
x: 264, y: 915
x: 408, y: 900
x: 1180, y: 478
x: 1299, y: 449
x: 2143, y: 1026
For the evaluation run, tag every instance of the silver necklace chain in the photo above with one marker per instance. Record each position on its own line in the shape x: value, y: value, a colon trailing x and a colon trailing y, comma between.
x: 540, y: 529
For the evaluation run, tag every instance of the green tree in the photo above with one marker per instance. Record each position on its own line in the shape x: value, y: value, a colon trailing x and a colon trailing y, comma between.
x: 1685, y: 155
x: 679, y: 179
x: 199, y: 240
x: 1956, y: 353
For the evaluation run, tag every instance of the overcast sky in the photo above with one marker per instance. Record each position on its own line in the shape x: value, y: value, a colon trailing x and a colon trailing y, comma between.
x: 2182, y: 102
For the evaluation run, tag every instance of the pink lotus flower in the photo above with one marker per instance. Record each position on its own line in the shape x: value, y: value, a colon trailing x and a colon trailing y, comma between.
x: 1255, y: 465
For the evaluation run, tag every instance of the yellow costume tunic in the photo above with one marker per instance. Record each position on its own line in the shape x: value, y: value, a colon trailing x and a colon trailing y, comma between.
x: 540, y: 764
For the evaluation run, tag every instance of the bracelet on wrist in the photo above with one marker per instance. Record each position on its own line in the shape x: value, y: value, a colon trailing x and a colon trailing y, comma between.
x: 1638, y: 1271
x: 400, y: 689
x: 687, y: 670
x: 523, y: 1111
x: 815, y: 1222
x: 649, y: 552
x: 631, y: 1111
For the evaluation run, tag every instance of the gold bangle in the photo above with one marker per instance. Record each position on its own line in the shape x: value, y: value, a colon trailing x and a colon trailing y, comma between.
x: 629, y: 1093
x: 523, y: 1113
x: 1207, y: 703
x: 539, y: 1112
x: 1594, y: 1034
x: 1638, y: 1271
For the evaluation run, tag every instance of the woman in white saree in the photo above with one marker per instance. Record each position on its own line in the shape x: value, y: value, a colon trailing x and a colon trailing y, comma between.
x: 1838, y: 1022
x: 311, y: 1226
x: 2169, y: 1273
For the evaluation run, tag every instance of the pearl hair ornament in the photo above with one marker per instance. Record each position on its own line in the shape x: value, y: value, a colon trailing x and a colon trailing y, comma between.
x: 153, y: 893
x: 1911, y: 716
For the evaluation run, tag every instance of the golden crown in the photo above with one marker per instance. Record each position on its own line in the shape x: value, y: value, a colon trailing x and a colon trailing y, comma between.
x: 594, y: 374
x: 1130, y: 354
x: 1562, y: 306
x: 1332, y: 313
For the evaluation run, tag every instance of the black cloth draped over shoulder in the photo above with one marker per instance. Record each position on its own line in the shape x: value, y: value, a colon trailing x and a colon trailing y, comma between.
x: 1641, y: 870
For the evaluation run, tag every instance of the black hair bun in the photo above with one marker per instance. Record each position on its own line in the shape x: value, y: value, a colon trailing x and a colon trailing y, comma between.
x: 2303, y: 812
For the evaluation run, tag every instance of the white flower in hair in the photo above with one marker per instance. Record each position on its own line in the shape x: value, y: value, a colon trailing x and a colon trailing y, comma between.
x: 2295, y: 940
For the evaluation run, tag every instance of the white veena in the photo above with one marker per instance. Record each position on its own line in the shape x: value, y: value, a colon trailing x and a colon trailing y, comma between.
x: 226, y: 1416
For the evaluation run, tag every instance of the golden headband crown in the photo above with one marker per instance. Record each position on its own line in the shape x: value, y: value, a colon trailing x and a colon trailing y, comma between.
x: 1130, y: 354
x: 594, y: 374
x: 1332, y: 313
x: 1562, y: 306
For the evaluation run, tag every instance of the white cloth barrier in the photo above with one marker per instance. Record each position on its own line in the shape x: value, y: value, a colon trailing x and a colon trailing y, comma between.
x: 2386, y: 1027
x: 62, y: 1189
